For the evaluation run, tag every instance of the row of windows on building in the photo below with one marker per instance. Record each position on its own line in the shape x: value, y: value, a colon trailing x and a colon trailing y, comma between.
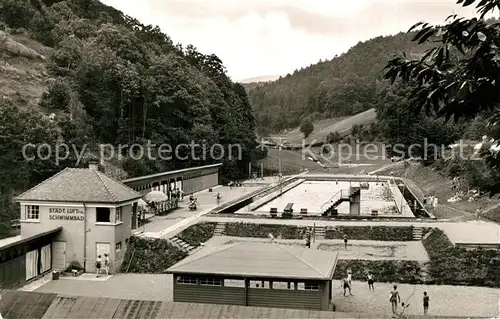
x: 176, y: 181
x: 186, y: 280
x: 103, y: 214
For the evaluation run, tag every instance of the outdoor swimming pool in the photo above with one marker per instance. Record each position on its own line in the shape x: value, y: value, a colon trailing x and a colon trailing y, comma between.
x: 313, y: 195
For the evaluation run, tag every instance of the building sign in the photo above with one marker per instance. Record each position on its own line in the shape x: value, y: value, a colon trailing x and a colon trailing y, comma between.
x: 66, y: 214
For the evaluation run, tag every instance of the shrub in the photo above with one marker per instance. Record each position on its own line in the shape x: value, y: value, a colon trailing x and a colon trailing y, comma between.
x: 74, y: 265
x: 150, y: 256
x: 263, y: 231
x: 382, y: 233
x: 401, y: 271
x: 450, y: 265
x: 198, y: 233
x: 436, y: 243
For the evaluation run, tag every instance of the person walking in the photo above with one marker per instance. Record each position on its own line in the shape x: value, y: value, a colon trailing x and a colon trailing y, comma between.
x: 394, y: 298
x: 370, y: 282
x: 98, y: 264
x: 426, y: 303
x: 478, y: 213
x: 346, y: 285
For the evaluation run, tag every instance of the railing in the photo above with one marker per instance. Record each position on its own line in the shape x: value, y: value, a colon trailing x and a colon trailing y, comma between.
x: 341, y: 194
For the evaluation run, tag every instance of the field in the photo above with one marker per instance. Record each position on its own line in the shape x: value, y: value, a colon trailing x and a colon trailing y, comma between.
x: 342, y: 125
x: 295, y: 161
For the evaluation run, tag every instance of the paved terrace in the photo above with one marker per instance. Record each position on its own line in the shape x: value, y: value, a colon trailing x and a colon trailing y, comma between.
x: 452, y: 301
x: 175, y: 220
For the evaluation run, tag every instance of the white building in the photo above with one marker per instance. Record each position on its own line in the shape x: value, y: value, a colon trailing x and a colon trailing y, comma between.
x: 94, y: 211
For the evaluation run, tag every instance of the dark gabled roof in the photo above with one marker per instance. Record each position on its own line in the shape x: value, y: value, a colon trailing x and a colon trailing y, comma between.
x: 266, y: 260
x: 80, y: 185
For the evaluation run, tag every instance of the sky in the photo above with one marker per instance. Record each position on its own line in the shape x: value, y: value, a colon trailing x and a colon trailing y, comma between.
x: 275, y: 37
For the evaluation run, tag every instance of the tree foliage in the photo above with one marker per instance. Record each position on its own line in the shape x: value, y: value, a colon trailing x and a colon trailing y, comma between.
x: 306, y: 127
x: 343, y: 86
x: 119, y: 81
x: 459, y: 76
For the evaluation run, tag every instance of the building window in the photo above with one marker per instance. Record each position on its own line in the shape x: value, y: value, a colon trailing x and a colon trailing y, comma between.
x: 308, y: 286
x: 259, y: 284
x: 102, y: 215
x: 234, y: 283
x: 210, y: 282
x: 186, y: 280
x: 118, y: 246
x: 118, y: 215
x: 283, y: 285
x: 32, y: 212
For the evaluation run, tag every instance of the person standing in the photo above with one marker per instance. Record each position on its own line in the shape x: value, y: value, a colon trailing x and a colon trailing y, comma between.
x: 98, y: 264
x: 370, y: 282
x: 345, y: 284
x: 426, y: 303
x: 349, y: 276
x: 394, y: 298
x: 345, y: 242
x: 478, y: 214
x: 106, y: 264
x: 308, y: 239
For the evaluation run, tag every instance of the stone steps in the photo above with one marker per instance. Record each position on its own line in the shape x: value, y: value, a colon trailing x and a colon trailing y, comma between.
x: 220, y: 229
x: 182, y: 244
x: 417, y: 233
x: 319, y: 232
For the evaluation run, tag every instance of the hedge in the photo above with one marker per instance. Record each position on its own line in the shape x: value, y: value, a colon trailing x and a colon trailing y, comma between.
x: 400, y: 271
x: 198, y: 233
x: 150, y: 256
x: 263, y: 230
x: 381, y: 233
x: 450, y: 265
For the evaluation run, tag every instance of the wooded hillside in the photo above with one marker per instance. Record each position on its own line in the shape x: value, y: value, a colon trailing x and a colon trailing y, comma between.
x: 343, y: 86
x: 109, y: 79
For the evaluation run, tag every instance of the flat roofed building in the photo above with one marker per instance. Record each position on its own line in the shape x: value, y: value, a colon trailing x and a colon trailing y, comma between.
x: 257, y: 275
x: 94, y: 211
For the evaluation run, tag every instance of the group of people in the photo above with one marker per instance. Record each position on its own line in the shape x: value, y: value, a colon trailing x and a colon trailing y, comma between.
x: 394, y: 297
x: 193, y: 202
x: 430, y: 201
x: 232, y: 184
x: 100, y: 265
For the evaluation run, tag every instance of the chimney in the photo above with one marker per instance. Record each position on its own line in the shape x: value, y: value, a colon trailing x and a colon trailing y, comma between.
x: 93, y: 165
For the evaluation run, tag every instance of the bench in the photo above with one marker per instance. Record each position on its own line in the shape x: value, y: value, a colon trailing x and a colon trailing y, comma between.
x: 374, y: 212
x: 288, y: 208
x: 273, y: 211
x: 303, y: 210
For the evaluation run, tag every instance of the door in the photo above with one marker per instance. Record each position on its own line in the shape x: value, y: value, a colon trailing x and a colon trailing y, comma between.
x: 101, y: 249
x: 59, y: 255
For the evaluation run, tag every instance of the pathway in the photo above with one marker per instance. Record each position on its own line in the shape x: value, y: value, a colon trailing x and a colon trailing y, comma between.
x: 356, y: 249
x: 458, y: 232
x: 182, y: 217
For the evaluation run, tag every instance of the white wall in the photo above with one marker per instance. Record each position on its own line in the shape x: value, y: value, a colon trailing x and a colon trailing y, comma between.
x: 73, y: 232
